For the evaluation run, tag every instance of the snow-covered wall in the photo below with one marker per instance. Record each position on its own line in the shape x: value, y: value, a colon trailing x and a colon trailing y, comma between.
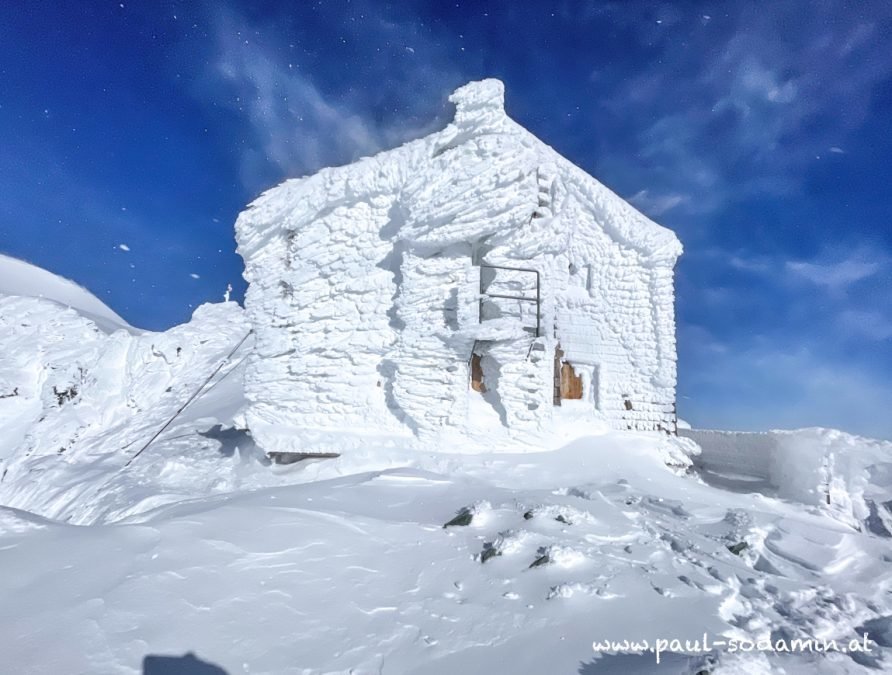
x: 747, y: 453
x: 840, y: 473
x: 365, y: 290
x: 616, y: 324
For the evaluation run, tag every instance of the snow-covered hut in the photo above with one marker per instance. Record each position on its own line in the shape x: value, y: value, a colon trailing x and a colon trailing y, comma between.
x: 472, y: 267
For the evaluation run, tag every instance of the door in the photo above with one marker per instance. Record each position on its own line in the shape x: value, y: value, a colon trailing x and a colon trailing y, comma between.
x: 571, y: 383
x: 477, y: 374
x: 567, y: 384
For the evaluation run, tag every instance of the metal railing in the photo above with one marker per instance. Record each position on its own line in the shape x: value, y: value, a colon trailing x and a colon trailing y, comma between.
x: 523, y: 298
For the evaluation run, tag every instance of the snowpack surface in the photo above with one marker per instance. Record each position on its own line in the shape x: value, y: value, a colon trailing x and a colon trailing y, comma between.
x: 346, y: 567
x: 18, y: 277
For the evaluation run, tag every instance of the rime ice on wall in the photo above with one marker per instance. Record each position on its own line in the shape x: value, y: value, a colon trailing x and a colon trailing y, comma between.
x: 824, y: 468
x: 365, y: 290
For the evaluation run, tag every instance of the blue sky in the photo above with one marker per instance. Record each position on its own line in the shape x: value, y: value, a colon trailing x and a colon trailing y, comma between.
x: 760, y: 132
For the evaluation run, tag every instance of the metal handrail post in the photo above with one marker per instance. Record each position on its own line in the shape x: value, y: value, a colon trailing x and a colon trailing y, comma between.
x: 538, y: 311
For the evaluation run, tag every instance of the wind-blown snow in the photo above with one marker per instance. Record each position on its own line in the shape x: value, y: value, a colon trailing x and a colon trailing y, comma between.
x: 824, y: 468
x: 20, y: 278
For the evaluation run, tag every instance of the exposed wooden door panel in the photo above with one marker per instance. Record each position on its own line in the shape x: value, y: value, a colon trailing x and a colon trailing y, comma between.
x: 571, y: 383
x: 477, y: 374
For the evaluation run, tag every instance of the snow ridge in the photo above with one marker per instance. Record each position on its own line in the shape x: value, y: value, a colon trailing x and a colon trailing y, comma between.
x: 20, y: 278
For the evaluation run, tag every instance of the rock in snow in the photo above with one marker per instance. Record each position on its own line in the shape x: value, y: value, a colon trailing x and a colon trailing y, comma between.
x: 202, y: 556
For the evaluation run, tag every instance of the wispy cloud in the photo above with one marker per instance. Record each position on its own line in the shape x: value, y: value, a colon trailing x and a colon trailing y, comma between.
x: 296, y: 125
x: 768, y: 387
x: 870, y: 324
x: 745, y: 102
x: 782, y: 343
x: 656, y: 204
x: 754, y: 264
x: 837, y: 275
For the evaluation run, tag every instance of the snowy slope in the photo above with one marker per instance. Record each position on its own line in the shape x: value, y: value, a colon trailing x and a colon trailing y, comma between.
x: 353, y: 571
x: 18, y: 277
x: 76, y: 402
x: 337, y: 566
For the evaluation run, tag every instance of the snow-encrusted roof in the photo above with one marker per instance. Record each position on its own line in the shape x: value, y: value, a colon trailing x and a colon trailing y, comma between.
x: 467, y: 181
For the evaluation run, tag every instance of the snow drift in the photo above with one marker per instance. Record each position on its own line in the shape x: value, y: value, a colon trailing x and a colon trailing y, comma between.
x: 18, y: 277
x: 81, y: 390
x: 844, y: 475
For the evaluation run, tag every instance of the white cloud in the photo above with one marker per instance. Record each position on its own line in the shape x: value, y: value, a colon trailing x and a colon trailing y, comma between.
x: 836, y: 276
x: 657, y: 204
x: 868, y: 324
x: 756, y: 265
